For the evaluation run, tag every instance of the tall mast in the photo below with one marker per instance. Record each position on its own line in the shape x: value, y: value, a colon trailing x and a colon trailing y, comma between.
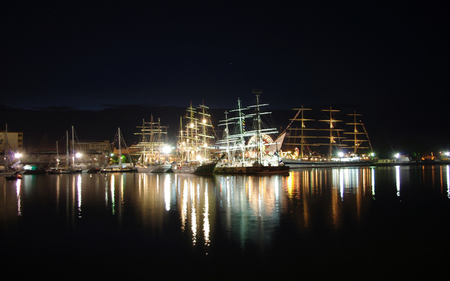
x: 5, y: 147
x: 67, y: 150
x: 57, y: 156
x: 302, y: 130
x: 356, y: 142
x: 227, y: 134
x: 191, y: 131
x: 120, y: 149
x: 159, y: 140
x: 258, y: 128
x: 331, y: 122
x: 73, y: 149
x: 205, y: 124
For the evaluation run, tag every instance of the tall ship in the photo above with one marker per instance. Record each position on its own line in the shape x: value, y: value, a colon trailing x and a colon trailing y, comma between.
x: 326, y: 141
x: 248, y: 145
x: 195, y: 141
x: 152, y: 150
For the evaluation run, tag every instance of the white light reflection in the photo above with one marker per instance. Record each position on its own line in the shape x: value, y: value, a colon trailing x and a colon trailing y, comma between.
x: 113, y: 202
x: 167, y: 192
x: 19, y: 206
x: 79, y: 195
x: 206, y: 226
x: 193, y: 214
x: 397, y: 179
x: 341, y: 183
x: 184, y: 205
x: 448, y: 181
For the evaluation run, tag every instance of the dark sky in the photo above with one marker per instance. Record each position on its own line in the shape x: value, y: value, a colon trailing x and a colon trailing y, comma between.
x: 388, y: 60
x: 311, y: 53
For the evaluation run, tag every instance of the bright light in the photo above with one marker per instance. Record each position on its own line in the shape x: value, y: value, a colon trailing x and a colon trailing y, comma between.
x: 166, y: 149
x: 341, y: 154
x: 397, y: 155
x: 204, y: 121
x: 78, y: 155
x: 17, y: 155
x: 199, y: 158
x: 112, y: 154
x: 192, y: 125
x: 447, y: 153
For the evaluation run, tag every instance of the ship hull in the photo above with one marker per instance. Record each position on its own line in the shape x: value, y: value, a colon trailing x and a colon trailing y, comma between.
x: 207, y: 169
x: 261, y: 170
x: 324, y: 164
x: 167, y: 168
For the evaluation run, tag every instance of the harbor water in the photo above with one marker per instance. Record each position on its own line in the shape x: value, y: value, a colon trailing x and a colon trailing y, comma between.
x: 366, y: 222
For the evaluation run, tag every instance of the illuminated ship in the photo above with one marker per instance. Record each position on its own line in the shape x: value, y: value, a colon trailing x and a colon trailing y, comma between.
x: 303, y: 143
x: 152, y: 151
x: 195, y: 142
x: 247, y: 144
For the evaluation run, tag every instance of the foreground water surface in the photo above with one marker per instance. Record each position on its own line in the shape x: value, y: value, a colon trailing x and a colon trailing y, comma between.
x: 370, y: 222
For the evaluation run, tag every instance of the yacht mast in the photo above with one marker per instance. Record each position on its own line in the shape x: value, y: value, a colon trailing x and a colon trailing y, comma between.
x: 67, y: 150
x: 73, y: 149
x: 120, y: 149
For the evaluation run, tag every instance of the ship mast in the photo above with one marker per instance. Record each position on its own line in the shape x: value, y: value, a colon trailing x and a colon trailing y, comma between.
x: 356, y: 142
x: 331, y: 122
x: 205, y: 126
x: 120, y: 149
x: 258, y: 129
x: 191, y: 132
x: 302, y: 130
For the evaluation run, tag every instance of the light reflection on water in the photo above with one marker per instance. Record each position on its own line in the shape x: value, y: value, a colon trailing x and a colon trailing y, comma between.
x: 219, y: 209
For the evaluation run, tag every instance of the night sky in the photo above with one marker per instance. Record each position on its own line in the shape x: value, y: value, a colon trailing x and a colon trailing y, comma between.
x: 389, y: 61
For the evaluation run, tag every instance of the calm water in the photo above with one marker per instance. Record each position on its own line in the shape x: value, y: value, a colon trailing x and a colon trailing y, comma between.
x: 372, y: 222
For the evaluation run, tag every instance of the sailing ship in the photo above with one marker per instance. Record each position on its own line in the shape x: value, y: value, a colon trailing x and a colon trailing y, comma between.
x: 120, y: 167
x: 304, y: 142
x: 247, y: 144
x: 150, y: 151
x: 194, y: 142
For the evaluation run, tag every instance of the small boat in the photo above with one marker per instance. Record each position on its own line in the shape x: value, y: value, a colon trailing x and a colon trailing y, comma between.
x: 205, y: 169
x: 184, y: 169
x: 117, y: 169
x: 120, y: 168
x: 14, y: 176
x: 58, y: 171
x: 162, y: 168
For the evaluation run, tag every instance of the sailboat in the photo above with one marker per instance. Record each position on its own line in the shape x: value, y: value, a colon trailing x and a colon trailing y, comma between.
x: 57, y: 169
x: 70, y: 167
x: 120, y: 168
x: 248, y: 146
x: 194, y: 142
